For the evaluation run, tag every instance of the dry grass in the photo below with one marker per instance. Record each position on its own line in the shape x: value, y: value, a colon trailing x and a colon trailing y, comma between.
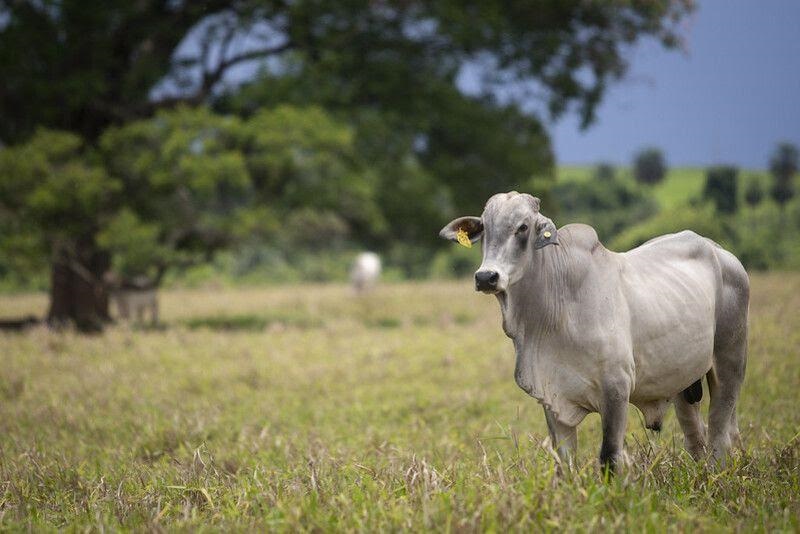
x: 306, y: 408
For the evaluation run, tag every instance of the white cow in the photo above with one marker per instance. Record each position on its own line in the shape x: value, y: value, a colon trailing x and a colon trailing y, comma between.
x: 365, y: 271
x: 594, y: 330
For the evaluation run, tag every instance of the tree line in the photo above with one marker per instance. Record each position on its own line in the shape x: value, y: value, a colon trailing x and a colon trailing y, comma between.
x: 722, y: 185
x: 755, y: 215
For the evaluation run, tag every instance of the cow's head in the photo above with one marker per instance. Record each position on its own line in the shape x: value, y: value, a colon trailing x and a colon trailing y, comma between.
x: 513, y: 230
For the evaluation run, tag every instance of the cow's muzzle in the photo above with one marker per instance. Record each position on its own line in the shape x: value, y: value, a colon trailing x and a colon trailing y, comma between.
x: 486, y: 281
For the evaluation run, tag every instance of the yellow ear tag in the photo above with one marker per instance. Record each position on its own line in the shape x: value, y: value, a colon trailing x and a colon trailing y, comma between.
x: 463, y: 238
x: 547, y: 234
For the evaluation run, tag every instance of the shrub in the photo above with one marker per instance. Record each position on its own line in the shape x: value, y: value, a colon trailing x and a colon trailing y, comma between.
x: 649, y: 166
x: 721, y: 188
x: 783, y: 165
x: 753, y: 193
x: 767, y: 237
x: 605, y: 172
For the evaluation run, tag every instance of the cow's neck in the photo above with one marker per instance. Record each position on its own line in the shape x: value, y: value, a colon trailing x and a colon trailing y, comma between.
x: 533, y: 307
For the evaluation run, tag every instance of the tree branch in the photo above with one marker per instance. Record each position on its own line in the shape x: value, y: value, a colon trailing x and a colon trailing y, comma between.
x: 211, y: 78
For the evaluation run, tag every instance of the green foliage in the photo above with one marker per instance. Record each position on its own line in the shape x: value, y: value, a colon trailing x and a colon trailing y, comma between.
x: 80, y: 66
x: 753, y: 193
x: 51, y: 193
x: 134, y: 245
x: 286, y: 174
x: 767, y: 236
x: 412, y: 200
x: 455, y: 262
x: 48, y: 180
x: 605, y: 172
x: 173, y: 189
x: 186, y: 180
x: 783, y: 166
x: 314, y: 230
x: 763, y: 237
x: 700, y: 219
x: 301, y: 158
x: 445, y: 158
x: 722, y: 188
x: 610, y: 206
x: 760, y: 245
x: 649, y: 166
x: 256, y: 263
x: 478, y: 149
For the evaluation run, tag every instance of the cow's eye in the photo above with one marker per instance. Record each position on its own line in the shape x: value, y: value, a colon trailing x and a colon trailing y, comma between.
x: 522, y: 228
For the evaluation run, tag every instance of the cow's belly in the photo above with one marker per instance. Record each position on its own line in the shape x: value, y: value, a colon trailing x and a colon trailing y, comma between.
x: 670, y: 363
x: 672, y: 329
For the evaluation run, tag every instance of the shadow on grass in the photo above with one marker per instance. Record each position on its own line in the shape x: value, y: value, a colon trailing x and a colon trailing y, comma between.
x: 250, y: 322
x: 383, y: 322
x: 148, y: 327
x: 19, y: 325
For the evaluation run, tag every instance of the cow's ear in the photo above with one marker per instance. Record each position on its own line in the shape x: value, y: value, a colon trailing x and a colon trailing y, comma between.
x: 546, y: 233
x: 472, y: 226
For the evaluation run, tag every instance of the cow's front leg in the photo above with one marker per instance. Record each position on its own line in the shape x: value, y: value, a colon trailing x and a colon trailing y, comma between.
x: 614, y: 415
x: 563, y: 438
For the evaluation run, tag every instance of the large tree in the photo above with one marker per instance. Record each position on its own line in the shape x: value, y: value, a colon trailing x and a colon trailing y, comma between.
x: 171, y: 190
x: 390, y: 66
x: 52, y: 203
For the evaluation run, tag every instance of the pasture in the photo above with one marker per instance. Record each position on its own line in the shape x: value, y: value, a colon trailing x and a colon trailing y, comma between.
x: 307, y: 408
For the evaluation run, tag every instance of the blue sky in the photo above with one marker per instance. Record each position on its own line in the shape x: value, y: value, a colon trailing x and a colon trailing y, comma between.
x: 730, y: 99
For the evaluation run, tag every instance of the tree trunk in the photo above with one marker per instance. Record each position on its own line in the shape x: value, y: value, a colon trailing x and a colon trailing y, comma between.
x: 77, y: 293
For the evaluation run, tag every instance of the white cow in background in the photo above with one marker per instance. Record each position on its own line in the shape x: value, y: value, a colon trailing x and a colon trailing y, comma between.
x: 134, y: 298
x: 365, y: 271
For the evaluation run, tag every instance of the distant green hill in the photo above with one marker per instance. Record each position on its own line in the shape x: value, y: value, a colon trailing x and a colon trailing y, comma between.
x: 625, y: 214
x: 679, y: 186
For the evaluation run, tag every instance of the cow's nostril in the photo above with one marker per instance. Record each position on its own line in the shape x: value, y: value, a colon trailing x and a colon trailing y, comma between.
x: 486, y: 280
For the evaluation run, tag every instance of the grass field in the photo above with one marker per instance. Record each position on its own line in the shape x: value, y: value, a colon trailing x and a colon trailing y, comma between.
x: 306, y: 408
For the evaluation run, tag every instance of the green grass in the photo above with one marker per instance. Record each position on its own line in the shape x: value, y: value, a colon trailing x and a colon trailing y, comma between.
x: 307, y: 408
x: 579, y: 173
x: 680, y: 186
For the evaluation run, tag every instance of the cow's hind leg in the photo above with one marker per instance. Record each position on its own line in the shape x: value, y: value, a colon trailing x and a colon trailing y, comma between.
x: 730, y: 353
x: 723, y: 429
x: 694, y: 431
